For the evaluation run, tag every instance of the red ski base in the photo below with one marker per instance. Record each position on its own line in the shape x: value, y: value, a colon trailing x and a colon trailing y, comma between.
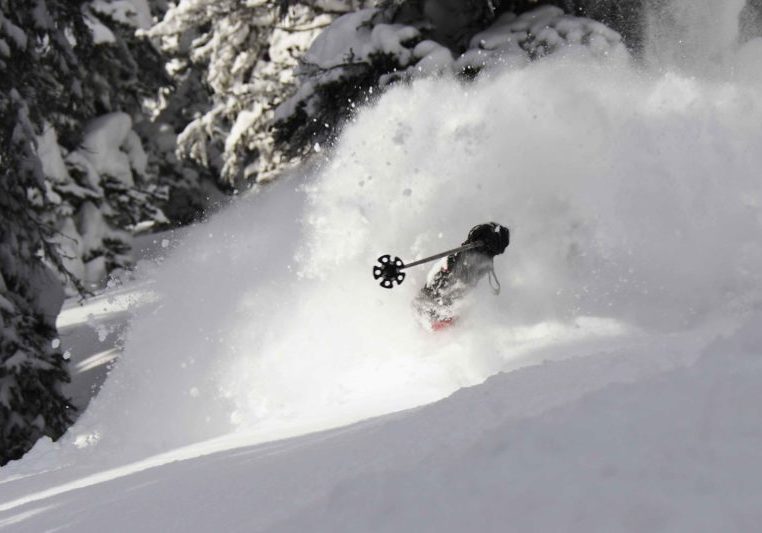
x: 439, y: 325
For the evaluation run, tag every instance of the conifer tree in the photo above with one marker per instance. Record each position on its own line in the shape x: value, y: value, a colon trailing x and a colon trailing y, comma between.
x: 75, y: 180
x: 233, y: 63
x: 39, y: 79
x: 363, y: 53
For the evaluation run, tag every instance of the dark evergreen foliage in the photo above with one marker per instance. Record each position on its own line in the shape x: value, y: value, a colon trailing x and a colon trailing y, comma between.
x: 52, y: 75
x: 41, y: 80
x: 338, y: 101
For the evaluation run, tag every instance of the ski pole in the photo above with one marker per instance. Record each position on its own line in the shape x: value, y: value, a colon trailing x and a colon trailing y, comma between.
x: 390, y: 269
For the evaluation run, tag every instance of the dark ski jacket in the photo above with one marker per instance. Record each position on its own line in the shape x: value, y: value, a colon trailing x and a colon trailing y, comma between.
x: 460, y: 272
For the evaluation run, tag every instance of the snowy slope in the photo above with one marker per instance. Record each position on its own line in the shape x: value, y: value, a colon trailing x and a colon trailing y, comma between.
x: 621, y: 361
x: 608, y: 442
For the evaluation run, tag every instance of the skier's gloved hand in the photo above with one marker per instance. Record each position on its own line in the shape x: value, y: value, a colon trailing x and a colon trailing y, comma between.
x: 494, y: 237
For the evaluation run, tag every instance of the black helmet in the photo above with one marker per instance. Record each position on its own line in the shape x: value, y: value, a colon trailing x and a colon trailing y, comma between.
x: 494, y: 237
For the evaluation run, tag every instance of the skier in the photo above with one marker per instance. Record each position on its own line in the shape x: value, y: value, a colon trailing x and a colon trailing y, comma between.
x: 457, y: 274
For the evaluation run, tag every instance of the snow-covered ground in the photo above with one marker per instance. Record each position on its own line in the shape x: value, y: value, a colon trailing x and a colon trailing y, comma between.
x: 268, y: 384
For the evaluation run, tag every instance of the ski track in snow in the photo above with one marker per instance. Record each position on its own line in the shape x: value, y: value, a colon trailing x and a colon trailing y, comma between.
x: 623, y: 338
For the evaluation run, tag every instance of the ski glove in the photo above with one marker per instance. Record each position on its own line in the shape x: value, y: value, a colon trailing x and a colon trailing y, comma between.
x: 495, y: 238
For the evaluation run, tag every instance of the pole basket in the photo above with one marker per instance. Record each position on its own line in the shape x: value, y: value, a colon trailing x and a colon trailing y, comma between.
x: 389, y: 271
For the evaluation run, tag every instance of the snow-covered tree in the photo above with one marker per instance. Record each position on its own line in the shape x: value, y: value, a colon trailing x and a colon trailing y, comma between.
x: 101, y: 192
x: 364, y: 52
x: 75, y: 181
x: 100, y: 182
x: 39, y: 78
x: 127, y: 60
x: 750, y: 24
x: 31, y: 369
x: 233, y: 63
